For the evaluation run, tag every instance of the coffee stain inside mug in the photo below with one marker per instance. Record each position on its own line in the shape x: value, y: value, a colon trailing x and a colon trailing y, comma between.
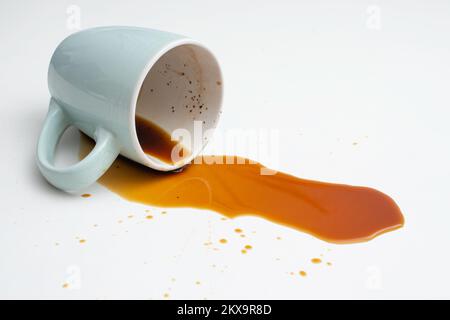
x: 156, y: 142
x: 332, y: 212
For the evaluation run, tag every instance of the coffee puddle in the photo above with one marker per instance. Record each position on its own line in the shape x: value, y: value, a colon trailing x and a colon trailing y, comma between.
x: 333, y: 212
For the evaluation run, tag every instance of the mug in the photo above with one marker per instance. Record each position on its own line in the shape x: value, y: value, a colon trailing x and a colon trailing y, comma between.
x: 101, y: 79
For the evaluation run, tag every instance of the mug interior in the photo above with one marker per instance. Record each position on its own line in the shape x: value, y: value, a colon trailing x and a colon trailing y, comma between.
x: 183, y: 86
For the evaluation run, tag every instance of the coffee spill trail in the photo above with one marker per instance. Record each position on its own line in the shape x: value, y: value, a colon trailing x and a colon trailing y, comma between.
x: 332, y: 212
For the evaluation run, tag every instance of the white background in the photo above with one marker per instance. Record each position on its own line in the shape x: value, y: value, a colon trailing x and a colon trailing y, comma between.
x: 325, y: 74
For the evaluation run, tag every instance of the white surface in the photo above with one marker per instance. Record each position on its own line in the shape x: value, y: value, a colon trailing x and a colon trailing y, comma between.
x: 324, y: 74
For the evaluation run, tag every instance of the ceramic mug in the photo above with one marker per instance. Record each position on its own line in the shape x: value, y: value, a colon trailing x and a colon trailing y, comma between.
x: 101, y: 78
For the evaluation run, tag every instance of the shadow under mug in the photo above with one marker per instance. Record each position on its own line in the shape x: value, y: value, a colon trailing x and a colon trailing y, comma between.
x: 100, y: 79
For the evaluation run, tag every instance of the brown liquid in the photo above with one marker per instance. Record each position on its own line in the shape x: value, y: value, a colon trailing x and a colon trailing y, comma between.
x: 332, y: 212
x: 156, y: 142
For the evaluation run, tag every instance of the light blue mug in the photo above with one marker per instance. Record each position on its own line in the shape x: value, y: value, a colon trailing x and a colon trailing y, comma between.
x: 101, y: 78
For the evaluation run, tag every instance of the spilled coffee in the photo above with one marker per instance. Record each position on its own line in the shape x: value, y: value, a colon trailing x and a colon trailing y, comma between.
x: 333, y: 212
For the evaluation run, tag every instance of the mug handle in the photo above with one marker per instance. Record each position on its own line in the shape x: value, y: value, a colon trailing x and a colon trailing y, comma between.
x: 83, y: 173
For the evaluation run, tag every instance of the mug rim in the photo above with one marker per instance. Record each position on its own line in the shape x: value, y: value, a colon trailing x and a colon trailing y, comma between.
x: 142, y: 156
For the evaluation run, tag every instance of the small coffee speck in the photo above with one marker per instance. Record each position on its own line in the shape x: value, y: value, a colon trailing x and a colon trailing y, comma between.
x: 82, y: 241
x: 219, y: 83
x: 149, y: 217
x: 65, y: 285
x: 316, y: 260
x: 86, y: 195
x: 223, y: 241
x: 302, y: 273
